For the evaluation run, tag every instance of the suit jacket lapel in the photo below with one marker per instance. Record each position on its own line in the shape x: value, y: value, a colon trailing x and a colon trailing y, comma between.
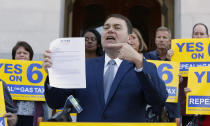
x: 124, y: 67
x: 99, y: 77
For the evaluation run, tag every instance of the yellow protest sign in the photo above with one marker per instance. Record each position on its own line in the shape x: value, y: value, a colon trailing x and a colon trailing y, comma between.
x: 168, y: 72
x: 3, y: 121
x: 104, y: 124
x: 25, y: 79
x: 198, y: 101
x: 191, y: 53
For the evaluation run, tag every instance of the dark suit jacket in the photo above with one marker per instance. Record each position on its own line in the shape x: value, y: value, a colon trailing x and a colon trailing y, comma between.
x: 172, y: 108
x: 129, y: 94
x: 8, y: 99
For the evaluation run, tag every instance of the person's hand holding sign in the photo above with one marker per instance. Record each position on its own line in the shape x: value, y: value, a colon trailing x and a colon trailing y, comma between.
x: 11, y: 118
x: 187, y: 90
x: 47, y: 60
x: 170, y: 53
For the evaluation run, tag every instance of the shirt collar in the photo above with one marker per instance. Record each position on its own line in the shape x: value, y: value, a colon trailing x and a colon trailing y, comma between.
x: 107, y: 59
x: 158, y: 56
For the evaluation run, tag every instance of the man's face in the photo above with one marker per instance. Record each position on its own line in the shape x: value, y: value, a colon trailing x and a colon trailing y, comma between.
x: 162, y: 40
x: 200, y: 32
x: 115, y: 31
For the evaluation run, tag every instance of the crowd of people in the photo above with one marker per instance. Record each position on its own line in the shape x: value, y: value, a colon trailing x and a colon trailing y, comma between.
x: 121, y: 86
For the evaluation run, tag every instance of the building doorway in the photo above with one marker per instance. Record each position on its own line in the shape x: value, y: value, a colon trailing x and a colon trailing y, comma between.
x: 145, y: 15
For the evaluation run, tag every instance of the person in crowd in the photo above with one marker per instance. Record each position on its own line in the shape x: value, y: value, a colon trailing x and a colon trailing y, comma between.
x: 163, y: 44
x: 10, y: 108
x: 27, y: 111
x: 119, y: 84
x: 93, y: 46
x: 137, y: 41
x: 199, y: 30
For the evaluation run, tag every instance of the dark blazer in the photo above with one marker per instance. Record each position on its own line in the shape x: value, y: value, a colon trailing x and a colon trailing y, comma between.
x: 129, y: 94
x: 172, y: 108
x: 8, y: 99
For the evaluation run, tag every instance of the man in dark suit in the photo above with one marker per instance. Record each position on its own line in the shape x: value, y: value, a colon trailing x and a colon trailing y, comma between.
x: 136, y: 82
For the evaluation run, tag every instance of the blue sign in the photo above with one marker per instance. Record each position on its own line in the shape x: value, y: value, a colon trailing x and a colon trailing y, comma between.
x: 199, y: 101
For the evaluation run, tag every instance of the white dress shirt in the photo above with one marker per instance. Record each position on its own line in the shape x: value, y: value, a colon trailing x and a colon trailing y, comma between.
x: 107, y: 59
x: 118, y: 62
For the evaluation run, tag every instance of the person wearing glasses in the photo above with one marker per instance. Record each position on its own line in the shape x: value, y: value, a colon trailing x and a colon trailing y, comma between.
x: 93, y: 46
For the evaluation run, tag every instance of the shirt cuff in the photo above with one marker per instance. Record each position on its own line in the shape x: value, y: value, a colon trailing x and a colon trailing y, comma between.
x: 138, y: 70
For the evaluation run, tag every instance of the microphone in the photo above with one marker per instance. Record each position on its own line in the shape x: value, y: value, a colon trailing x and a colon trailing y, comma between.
x: 64, y: 116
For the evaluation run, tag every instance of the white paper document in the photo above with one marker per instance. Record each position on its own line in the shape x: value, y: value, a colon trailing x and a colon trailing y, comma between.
x: 68, y: 63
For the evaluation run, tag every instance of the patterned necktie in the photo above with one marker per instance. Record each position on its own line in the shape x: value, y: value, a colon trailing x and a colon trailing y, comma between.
x: 108, y: 78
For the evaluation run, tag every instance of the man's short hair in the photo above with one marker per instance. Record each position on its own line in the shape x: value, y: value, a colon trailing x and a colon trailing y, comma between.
x: 127, y: 21
x: 202, y: 25
x: 163, y: 28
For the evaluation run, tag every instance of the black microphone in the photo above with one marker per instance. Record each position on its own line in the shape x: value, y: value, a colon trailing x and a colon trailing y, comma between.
x: 64, y: 116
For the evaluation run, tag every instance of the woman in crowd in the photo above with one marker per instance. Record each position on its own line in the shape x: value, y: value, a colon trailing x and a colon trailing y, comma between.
x: 137, y: 41
x: 93, y: 46
x: 27, y: 111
